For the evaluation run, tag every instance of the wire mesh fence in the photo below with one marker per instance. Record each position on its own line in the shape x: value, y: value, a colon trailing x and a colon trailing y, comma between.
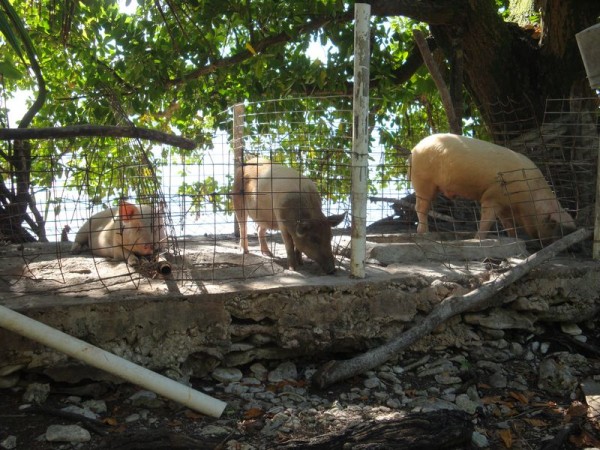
x: 77, y: 178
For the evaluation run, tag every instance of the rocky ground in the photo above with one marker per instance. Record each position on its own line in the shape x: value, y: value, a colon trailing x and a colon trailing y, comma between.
x: 512, y: 390
x: 519, y: 386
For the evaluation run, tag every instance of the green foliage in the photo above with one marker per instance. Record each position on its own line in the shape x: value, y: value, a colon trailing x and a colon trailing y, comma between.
x: 208, y: 191
x: 176, y: 66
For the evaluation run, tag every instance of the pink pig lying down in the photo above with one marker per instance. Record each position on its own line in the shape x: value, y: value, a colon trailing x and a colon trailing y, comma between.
x: 508, y: 185
x: 124, y: 233
x: 276, y: 197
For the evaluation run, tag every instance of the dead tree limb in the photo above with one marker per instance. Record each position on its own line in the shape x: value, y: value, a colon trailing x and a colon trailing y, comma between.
x: 411, y: 206
x: 435, y: 430
x: 453, y: 120
x: 483, y: 297
x: 8, y: 134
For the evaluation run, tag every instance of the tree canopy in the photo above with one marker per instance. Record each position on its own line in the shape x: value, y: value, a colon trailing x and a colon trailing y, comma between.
x: 174, y: 65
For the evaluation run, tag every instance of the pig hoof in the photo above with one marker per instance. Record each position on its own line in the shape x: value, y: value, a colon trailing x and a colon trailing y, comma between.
x: 133, y: 261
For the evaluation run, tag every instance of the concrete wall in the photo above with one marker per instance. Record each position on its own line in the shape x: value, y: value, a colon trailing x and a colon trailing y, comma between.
x: 190, y: 335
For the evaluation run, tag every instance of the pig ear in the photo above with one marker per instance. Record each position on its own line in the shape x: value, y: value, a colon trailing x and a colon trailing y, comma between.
x: 127, y: 210
x: 336, y: 219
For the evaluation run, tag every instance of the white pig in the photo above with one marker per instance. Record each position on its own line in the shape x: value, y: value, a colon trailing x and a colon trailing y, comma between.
x: 124, y: 233
x: 508, y: 185
x: 279, y: 198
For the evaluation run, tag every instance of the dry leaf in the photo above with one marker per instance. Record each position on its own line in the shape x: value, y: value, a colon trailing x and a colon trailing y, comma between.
x: 577, y: 409
x: 519, y: 397
x: 537, y: 422
x: 491, y: 399
x: 110, y: 421
x: 506, y: 437
x: 584, y: 440
x: 193, y: 415
x: 253, y: 413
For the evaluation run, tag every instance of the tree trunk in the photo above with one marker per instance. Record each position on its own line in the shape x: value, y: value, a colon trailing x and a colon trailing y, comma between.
x: 520, y: 68
x: 508, y: 68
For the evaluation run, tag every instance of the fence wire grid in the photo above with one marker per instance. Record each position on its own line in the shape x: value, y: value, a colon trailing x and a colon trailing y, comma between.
x: 312, y: 136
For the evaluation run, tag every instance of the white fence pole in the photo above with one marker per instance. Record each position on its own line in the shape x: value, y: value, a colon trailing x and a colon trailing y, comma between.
x: 360, y: 138
x: 239, y: 118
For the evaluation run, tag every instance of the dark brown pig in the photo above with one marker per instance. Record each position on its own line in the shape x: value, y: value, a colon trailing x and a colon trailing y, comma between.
x: 124, y: 233
x: 276, y: 197
x: 508, y: 185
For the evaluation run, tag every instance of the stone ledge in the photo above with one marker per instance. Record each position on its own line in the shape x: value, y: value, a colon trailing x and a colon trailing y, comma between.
x: 185, y: 335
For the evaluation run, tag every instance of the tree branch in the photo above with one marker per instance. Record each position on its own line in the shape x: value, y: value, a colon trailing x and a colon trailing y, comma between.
x: 433, y: 12
x: 436, y: 12
x: 313, y: 25
x: 7, y: 134
x: 482, y: 297
x: 406, y: 204
x: 453, y: 121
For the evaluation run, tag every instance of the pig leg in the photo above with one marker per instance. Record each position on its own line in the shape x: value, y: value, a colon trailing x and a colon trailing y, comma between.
x: 488, y: 218
x: 508, y: 223
x: 425, y: 192
x: 242, y: 218
x: 131, y: 258
x: 81, y: 239
x: 122, y: 253
x: 262, y: 238
x: 422, y: 208
x: 293, y: 255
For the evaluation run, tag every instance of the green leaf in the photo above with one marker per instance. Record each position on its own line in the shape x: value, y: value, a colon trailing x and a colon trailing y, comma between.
x: 8, y: 70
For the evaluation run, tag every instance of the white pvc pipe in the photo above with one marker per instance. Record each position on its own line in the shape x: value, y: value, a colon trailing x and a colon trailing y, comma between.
x: 108, y: 362
x: 360, y: 138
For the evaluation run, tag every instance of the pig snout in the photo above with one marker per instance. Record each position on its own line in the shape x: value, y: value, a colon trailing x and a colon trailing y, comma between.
x: 314, y: 240
x: 143, y: 249
x: 140, y: 241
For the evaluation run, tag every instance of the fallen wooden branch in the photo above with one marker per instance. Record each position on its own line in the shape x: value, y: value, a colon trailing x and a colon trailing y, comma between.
x: 94, y: 425
x: 9, y: 134
x: 482, y: 297
x: 435, y: 430
x: 410, y: 205
x: 158, y: 439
